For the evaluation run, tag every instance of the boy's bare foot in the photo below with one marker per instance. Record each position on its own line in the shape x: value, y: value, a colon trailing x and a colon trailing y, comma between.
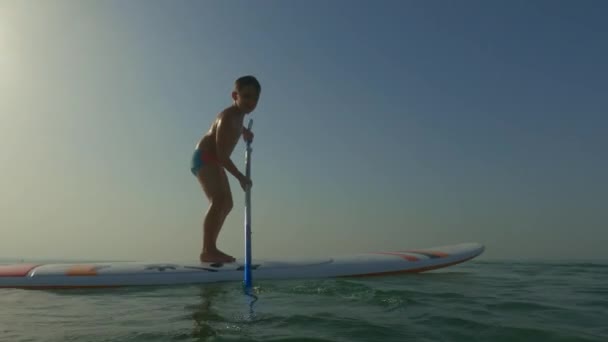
x: 226, y: 255
x: 216, y: 256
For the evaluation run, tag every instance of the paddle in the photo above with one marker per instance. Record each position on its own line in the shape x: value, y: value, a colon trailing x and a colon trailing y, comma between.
x: 247, y: 276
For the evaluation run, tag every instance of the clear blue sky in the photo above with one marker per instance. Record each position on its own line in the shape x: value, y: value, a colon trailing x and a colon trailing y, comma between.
x: 382, y: 125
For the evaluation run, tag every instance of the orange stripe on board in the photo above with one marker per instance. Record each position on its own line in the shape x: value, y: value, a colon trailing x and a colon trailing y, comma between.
x: 81, y: 270
x: 403, y: 256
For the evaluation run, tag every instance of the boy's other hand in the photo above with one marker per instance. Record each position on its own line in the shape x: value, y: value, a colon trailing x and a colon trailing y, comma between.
x: 245, y: 182
x: 247, y: 135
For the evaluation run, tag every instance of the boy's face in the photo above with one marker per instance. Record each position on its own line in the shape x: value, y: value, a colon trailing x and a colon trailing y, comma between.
x: 247, y: 98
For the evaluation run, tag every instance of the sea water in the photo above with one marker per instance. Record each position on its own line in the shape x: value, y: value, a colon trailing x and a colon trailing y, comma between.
x: 475, y: 301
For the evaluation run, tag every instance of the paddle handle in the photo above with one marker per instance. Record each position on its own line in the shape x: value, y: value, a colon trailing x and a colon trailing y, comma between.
x: 247, y: 276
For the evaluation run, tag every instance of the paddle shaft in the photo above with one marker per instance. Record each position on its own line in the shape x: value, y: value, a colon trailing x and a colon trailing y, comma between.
x: 248, y: 280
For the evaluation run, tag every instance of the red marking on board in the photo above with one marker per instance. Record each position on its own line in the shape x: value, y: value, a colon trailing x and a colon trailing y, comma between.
x: 17, y: 270
x: 403, y: 256
x: 431, y: 254
x: 413, y: 270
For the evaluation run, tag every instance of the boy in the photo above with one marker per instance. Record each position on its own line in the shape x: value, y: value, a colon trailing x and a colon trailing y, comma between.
x: 211, y: 160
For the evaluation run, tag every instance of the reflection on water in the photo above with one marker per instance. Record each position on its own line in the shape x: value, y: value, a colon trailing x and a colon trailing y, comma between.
x: 207, y: 319
x: 204, y: 315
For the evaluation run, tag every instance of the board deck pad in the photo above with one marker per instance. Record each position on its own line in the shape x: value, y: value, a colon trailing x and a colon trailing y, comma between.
x: 130, y: 273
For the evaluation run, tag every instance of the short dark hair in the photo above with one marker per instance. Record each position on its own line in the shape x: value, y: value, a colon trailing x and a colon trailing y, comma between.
x: 245, y: 81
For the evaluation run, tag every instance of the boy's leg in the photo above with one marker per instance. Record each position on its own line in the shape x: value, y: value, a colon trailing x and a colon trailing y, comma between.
x: 210, y: 177
x: 226, y: 208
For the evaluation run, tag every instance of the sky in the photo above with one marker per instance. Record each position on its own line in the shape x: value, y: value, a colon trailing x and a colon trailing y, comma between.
x: 381, y: 126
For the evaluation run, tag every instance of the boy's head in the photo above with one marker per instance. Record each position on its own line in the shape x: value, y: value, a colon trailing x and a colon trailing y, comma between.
x: 246, y: 93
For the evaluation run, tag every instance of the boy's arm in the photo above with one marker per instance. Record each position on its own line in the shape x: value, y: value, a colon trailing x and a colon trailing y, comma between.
x: 227, y: 136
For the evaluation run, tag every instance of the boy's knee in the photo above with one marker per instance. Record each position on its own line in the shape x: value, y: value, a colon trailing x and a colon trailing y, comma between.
x: 223, y: 204
x: 228, y: 204
x: 218, y: 203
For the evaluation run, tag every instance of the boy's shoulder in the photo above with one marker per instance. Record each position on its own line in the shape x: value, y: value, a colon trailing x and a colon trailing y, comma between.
x: 228, y: 114
x: 228, y: 118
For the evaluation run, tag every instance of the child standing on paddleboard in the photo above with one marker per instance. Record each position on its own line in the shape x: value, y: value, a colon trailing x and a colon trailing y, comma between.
x: 211, y: 160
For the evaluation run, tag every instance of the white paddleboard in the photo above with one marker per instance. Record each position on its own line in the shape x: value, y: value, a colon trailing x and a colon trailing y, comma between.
x: 111, y: 274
